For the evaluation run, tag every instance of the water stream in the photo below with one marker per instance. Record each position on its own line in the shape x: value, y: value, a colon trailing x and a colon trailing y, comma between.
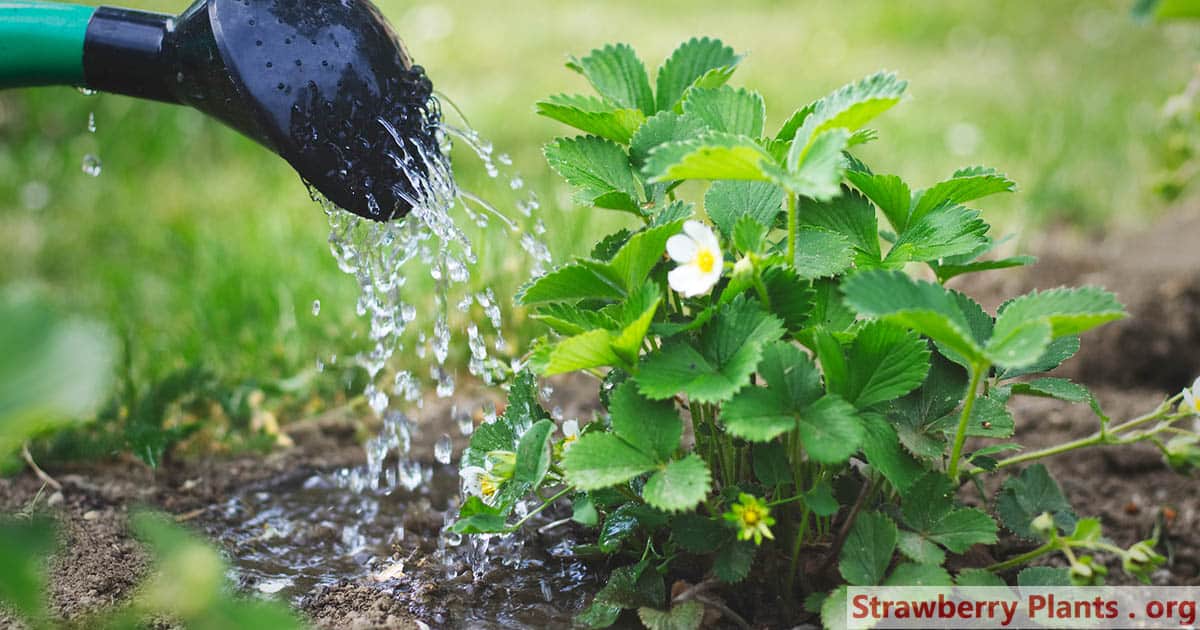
x: 386, y: 520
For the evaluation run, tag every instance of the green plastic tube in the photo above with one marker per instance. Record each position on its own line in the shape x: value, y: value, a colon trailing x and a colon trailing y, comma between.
x: 41, y: 43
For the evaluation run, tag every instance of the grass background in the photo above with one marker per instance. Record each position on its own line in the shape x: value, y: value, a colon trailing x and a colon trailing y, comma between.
x: 202, y: 249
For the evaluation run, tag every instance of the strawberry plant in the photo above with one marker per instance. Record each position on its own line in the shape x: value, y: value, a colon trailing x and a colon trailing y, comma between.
x: 792, y: 396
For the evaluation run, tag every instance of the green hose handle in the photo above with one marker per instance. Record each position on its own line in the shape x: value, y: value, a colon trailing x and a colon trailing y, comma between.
x: 41, y: 43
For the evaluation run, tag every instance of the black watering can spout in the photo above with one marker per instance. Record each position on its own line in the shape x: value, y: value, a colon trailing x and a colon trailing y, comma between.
x: 325, y: 84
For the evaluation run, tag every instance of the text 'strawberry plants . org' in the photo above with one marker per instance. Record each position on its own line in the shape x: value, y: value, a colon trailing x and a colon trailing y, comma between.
x: 783, y: 402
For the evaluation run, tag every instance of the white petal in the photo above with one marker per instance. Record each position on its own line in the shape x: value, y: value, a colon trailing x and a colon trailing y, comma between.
x: 707, y: 238
x: 699, y: 232
x: 1196, y: 385
x: 472, y: 479
x: 688, y: 281
x: 681, y: 248
x: 570, y: 428
x: 1189, y: 401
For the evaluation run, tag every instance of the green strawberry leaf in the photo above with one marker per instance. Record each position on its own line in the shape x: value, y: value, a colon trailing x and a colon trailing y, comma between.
x: 712, y: 156
x: 909, y: 574
x: 599, y: 169
x: 792, y: 299
x: 890, y: 194
x: 1068, y: 311
x: 692, y: 61
x: 849, y: 215
x: 733, y: 561
x: 978, y: 577
x: 922, y: 306
x: 821, y: 253
x: 1027, y: 496
x: 631, y: 265
x: 929, y: 510
x: 651, y: 426
x: 726, y: 202
x: 566, y: 319
x: 681, y: 485
x: 728, y: 351
x: 739, y: 111
x: 682, y: 616
x: 850, y: 107
x: 919, y: 549
x: 580, y: 280
x: 885, y: 362
x: 868, y: 549
x: 916, y: 416
x: 1056, y: 353
x: 967, y: 184
x: 884, y: 452
x: 948, y: 231
x: 699, y: 534
x: 600, y: 460
x: 592, y: 115
x: 662, y: 128
x: 533, y: 454
x: 816, y: 171
x: 619, y: 76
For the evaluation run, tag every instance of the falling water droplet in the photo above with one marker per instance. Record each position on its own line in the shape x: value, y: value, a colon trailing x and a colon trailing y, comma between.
x: 91, y: 122
x: 443, y: 449
x: 320, y: 365
x: 91, y: 165
x: 86, y: 91
x: 466, y: 424
x: 316, y: 310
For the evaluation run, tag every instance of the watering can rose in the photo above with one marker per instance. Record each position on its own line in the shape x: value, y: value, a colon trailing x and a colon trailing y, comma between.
x: 698, y: 253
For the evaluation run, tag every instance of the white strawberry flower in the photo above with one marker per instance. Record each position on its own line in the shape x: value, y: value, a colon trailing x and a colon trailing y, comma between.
x: 570, y: 430
x: 698, y: 253
x: 481, y: 483
x: 1191, y: 399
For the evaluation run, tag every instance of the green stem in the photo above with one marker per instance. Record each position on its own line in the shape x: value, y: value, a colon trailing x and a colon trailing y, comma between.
x: 793, y: 226
x: 1023, y: 558
x: 561, y: 494
x: 761, y: 290
x: 801, y: 532
x: 798, y: 497
x: 960, y: 435
x: 1097, y: 439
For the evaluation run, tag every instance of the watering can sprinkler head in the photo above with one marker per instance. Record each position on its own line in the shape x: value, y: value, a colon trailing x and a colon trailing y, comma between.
x: 325, y: 84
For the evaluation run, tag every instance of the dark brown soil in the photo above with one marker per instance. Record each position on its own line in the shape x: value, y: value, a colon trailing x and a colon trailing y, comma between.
x: 1132, y: 366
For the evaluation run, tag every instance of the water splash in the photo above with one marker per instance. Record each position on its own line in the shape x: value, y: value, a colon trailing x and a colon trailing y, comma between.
x: 293, y: 537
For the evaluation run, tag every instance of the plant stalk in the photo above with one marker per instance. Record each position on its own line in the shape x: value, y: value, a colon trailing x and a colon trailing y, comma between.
x: 1023, y: 558
x: 960, y: 435
x: 793, y: 226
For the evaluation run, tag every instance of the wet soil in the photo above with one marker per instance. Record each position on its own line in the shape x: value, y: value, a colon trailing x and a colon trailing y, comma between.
x: 1131, y: 365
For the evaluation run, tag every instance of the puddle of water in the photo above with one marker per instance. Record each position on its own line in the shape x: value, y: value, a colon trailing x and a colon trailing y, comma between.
x: 289, y: 538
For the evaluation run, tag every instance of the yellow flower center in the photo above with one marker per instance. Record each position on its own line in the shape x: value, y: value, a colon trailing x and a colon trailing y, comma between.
x: 488, y: 486
x: 750, y: 517
x: 705, y: 261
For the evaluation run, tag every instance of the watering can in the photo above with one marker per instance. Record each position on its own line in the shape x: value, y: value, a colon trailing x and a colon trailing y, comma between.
x: 325, y: 84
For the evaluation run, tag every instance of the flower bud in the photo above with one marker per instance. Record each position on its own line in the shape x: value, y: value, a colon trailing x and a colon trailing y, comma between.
x: 1085, y: 571
x: 501, y: 463
x: 1043, y: 525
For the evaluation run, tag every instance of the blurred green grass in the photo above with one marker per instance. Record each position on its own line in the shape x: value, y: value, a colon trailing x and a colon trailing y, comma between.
x: 202, y: 249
